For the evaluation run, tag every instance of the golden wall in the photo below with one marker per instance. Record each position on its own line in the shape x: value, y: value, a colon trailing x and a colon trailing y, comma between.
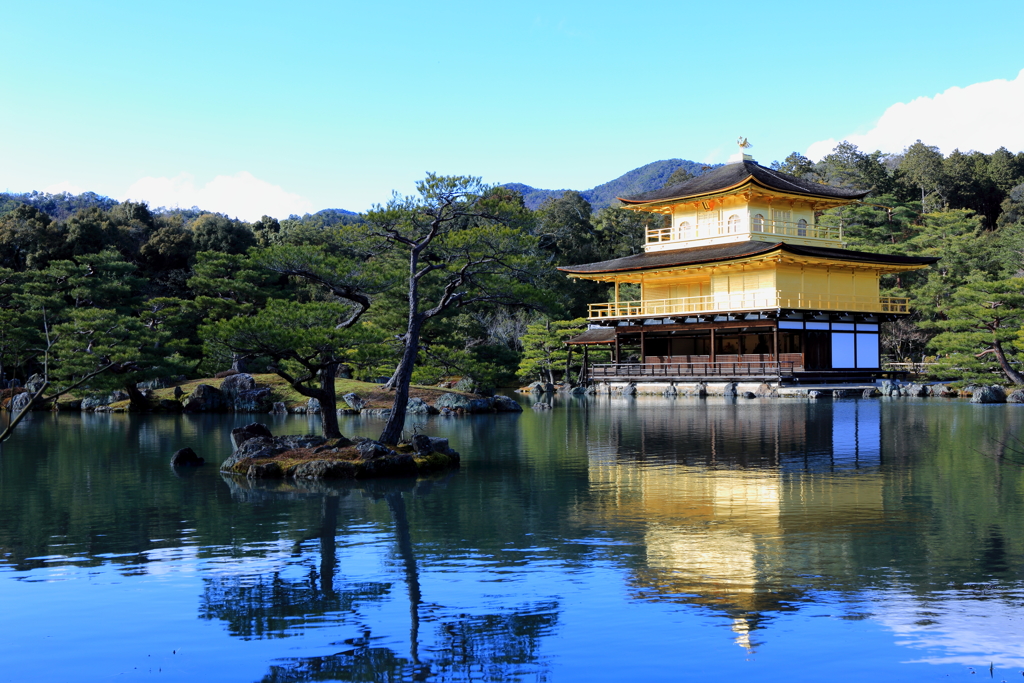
x: 763, y: 282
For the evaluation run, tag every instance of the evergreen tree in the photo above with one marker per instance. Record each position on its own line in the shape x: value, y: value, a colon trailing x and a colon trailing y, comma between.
x: 981, y: 330
x: 545, y: 354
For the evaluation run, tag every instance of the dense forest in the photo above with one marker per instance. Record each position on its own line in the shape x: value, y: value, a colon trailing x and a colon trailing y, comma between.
x: 89, y: 284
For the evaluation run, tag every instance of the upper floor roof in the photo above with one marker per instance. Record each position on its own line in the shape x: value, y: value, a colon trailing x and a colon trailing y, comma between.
x: 734, y: 177
x: 740, y: 251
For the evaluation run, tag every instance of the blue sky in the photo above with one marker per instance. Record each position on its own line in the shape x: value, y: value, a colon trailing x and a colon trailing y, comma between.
x: 269, y: 107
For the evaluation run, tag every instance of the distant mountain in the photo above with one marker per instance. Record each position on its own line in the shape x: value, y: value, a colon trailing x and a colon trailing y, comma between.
x: 643, y: 179
x: 64, y: 205
x: 328, y: 217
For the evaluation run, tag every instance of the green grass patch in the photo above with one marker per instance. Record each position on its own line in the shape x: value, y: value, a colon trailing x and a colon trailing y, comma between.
x: 375, y: 395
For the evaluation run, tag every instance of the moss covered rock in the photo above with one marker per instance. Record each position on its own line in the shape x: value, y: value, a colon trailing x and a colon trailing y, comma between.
x: 259, y: 455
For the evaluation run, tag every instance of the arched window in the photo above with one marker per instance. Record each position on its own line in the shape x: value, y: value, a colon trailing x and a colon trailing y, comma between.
x: 734, y: 223
x: 801, y: 228
x: 685, y: 230
x: 758, y: 222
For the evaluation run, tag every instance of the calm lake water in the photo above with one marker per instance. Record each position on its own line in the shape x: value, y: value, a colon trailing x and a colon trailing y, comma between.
x: 608, y: 539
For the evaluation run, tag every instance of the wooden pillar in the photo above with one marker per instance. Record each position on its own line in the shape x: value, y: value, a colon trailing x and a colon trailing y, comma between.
x: 643, y: 347
x: 775, y: 343
x: 712, y: 345
x: 616, y: 354
x: 584, y: 377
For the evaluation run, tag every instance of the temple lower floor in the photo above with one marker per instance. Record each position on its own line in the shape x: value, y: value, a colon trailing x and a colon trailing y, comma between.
x: 788, y: 345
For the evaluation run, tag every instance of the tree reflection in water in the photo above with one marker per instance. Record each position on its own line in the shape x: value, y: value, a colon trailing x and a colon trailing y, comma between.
x: 272, y: 606
x: 487, y: 647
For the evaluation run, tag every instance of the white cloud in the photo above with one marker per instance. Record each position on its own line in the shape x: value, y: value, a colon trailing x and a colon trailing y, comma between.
x: 713, y: 156
x: 63, y: 186
x: 963, y: 626
x: 241, y: 195
x: 980, y: 117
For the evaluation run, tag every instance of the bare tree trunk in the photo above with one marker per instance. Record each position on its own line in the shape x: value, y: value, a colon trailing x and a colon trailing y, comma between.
x: 137, y: 398
x: 402, y: 378
x: 1011, y: 374
x: 329, y: 402
x: 325, y: 395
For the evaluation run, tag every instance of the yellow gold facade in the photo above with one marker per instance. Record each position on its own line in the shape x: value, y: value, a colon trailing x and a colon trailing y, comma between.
x: 774, y: 281
x: 748, y: 215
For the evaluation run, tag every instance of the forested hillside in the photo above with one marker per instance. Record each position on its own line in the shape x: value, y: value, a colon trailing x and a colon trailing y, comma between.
x: 88, y: 283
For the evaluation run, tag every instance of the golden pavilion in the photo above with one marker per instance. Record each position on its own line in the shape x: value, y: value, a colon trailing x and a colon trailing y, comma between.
x: 743, y: 277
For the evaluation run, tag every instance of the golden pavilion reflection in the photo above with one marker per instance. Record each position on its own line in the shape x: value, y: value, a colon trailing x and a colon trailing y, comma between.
x: 722, y: 533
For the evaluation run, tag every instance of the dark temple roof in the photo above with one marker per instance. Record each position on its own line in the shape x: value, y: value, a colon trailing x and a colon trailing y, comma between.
x: 595, y: 335
x: 736, y: 250
x: 736, y: 174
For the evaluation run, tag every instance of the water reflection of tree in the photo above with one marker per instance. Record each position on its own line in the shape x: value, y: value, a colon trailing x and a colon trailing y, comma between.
x: 270, y: 605
x: 486, y: 646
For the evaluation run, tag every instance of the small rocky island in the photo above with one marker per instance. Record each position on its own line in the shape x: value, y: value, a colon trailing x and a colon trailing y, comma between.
x: 261, y: 455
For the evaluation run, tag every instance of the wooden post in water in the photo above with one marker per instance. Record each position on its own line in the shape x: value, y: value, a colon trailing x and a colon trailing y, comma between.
x: 775, y: 348
x: 584, y: 377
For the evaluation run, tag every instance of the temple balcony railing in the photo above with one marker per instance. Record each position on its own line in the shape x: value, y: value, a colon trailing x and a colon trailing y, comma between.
x: 708, y: 370
x: 765, y: 226
x: 726, y: 303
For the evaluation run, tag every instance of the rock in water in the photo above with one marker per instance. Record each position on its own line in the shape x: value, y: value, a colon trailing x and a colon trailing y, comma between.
x: 249, y: 431
x: 186, y: 457
x: 421, y: 444
x: 255, y: 401
x: 480, y: 405
x: 369, y: 450
x: 506, y: 404
x: 203, y: 399
x: 917, y: 390
x: 417, y: 406
x: 269, y: 470
x: 453, y: 402
x: 20, y: 402
x: 993, y: 394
